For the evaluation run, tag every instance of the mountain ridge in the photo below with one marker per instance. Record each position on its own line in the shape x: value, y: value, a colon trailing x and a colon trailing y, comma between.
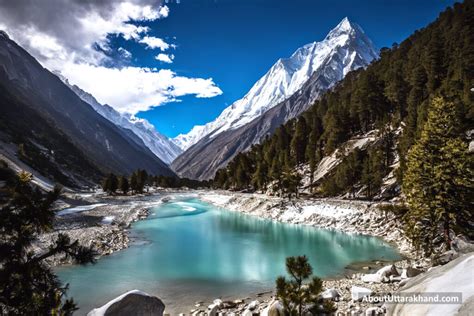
x: 283, y: 79
x: 215, y: 149
x: 37, y: 91
x: 157, y: 143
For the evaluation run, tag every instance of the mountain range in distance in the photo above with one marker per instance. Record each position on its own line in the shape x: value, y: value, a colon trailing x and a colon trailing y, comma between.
x: 123, y: 142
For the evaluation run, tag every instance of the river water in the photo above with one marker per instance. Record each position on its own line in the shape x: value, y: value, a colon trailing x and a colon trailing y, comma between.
x: 188, y: 250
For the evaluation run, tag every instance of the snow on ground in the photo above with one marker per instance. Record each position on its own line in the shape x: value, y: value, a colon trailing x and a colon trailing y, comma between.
x: 108, y: 220
x: 78, y: 209
x: 103, y: 309
x: 217, y: 199
x: 326, y: 210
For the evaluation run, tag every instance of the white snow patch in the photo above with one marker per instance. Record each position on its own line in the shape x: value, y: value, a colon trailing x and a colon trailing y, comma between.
x: 108, y: 220
x: 217, y: 199
x: 78, y: 209
x: 326, y: 210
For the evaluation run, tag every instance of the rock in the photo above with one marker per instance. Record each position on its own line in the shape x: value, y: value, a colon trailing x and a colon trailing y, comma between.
x: 394, y: 279
x: 330, y: 294
x: 247, y: 312
x: 228, y: 304
x: 379, y: 276
x: 358, y: 292
x: 253, y: 305
x: 412, y: 272
x: 371, y: 278
x: 374, y: 311
x: 445, y: 257
x: 213, y: 309
x: 454, y: 277
x: 218, y: 302
x: 275, y: 308
x: 403, y: 282
x: 131, y: 303
x: 238, y: 302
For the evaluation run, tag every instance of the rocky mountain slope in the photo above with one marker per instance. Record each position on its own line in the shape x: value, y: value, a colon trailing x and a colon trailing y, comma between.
x: 159, y: 144
x: 55, y: 130
x: 288, y: 89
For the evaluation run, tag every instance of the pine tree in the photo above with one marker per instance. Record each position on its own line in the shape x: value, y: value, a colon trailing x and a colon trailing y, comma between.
x: 110, y: 183
x: 134, y: 183
x: 299, y: 141
x: 27, y: 285
x: 123, y: 184
x: 438, y: 182
x: 296, y: 295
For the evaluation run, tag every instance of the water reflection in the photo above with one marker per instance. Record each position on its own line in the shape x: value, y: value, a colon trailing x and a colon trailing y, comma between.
x: 195, y: 249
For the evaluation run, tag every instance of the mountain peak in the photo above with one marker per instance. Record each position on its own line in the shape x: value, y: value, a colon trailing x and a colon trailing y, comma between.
x: 345, y: 27
x: 345, y: 48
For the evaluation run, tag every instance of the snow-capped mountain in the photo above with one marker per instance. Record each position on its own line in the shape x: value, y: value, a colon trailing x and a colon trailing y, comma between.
x: 158, y: 144
x: 345, y: 48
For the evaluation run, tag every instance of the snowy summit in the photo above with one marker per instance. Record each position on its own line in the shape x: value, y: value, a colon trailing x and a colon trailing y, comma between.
x: 347, y: 40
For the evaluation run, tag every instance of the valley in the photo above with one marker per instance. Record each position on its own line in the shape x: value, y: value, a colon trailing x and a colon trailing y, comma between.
x: 330, y: 176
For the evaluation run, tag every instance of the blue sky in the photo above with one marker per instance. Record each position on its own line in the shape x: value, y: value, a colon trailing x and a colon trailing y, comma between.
x: 235, y: 42
x: 220, y: 48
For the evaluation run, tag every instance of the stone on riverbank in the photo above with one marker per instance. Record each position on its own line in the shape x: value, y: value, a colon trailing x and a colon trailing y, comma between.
x: 358, y: 292
x: 131, y: 303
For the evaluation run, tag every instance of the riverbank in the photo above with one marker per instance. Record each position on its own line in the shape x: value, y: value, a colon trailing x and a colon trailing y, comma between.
x: 349, y: 216
x: 97, y: 220
x: 104, y: 224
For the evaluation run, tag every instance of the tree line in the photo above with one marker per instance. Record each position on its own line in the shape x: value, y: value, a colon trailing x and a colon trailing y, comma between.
x: 140, y: 180
x: 393, y: 92
x: 421, y: 87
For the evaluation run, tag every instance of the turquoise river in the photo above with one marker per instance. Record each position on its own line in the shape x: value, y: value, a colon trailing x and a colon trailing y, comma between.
x: 188, y: 250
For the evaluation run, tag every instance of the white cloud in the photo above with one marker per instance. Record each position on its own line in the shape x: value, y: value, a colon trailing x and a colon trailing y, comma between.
x: 125, y: 53
x: 66, y: 41
x: 165, y: 58
x: 154, y: 42
x: 135, y: 89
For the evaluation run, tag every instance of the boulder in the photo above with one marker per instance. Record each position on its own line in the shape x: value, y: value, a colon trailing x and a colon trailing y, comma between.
x: 412, y: 272
x: 218, y: 302
x: 247, y: 312
x: 455, y: 277
x: 253, y: 305
x: 358, y: 292
x: 379, y: 276
x: 445, y: 257
x: 213, y: 309
x: 374, y: 311
x: 331, y: 294
x: 403, y: 282
x: 131, y: 303
x: 275, y: 308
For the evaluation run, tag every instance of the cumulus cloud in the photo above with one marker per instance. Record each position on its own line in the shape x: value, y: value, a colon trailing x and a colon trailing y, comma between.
x: 165, y: 58
x: 154, y: 42
x: 135, y: 89
x: 76, y: 40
